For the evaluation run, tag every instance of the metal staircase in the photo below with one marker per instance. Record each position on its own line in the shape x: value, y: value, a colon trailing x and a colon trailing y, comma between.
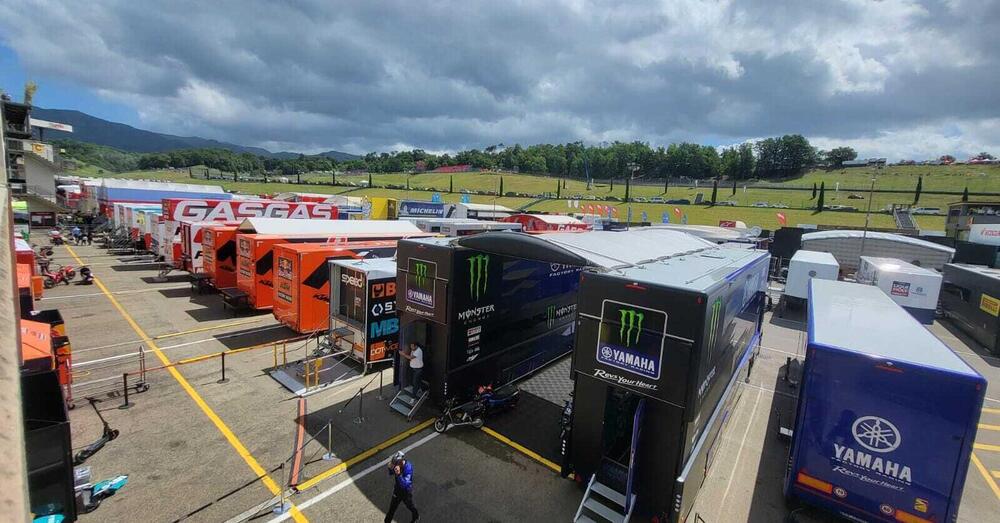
x: 603, y: 503
x: 406, y: 403
x: 904, y: 220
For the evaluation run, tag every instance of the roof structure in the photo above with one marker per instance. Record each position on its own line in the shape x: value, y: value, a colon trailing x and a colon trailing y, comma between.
x: 875, y: 235
x: 293, y: 226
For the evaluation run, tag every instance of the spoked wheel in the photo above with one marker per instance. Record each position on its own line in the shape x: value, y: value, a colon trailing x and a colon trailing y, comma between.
x: 440, y: 425
x: 478, y: 423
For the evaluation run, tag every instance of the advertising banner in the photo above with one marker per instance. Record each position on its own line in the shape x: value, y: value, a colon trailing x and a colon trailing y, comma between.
x: 421, y: 209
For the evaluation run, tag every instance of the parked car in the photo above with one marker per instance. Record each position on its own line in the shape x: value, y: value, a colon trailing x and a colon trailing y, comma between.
x: 590, y: 197
x: 841, y: 208
x: 657, y: 199
x: 640, y: 199
x: 779, y: 206
x: 853, y: 196
x: 679, y: 201
x: 760, y: 204
x: 726, y: 204
x: 925, y: 210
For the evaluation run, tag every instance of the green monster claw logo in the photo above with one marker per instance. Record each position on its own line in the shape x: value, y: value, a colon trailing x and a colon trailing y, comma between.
x: 550, y: 315
x: 421, y: 274
x: 479, y: 266
x: 713, y: 324
x: 630, y: 320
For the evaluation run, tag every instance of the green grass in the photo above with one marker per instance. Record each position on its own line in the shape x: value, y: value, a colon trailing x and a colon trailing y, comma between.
x: 952, y: 178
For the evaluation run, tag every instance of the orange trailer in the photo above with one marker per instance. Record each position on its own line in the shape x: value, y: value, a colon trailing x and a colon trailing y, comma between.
x: 218, y: 254
x: 302, y: 279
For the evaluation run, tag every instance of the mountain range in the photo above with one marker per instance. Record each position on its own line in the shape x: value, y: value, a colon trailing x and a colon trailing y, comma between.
x: 90, y: 129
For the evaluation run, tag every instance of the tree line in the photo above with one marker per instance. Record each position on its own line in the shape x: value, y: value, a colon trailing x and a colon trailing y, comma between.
x: 777, y: 157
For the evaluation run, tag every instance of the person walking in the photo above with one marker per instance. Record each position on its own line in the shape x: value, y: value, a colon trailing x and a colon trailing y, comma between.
x: 402, y: 486
x: 416, y: 357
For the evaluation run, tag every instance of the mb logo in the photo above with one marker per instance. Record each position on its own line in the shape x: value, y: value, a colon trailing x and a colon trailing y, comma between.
x: 479, y: 267
x: 631, y: 322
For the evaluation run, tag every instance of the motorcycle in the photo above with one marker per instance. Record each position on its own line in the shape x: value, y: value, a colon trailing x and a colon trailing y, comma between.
x: 469, y: 413
x: 56, y: 237
x: 496, y: 401
x: 64, y: 274
x: 485, y: 403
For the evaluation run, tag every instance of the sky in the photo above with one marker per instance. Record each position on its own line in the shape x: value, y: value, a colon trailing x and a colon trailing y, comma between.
x: 903, y: 79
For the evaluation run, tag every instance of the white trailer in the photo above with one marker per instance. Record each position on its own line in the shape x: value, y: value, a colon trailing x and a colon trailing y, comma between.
x: 803, y: 267
x: 914, y: 288
x: 847, y: 246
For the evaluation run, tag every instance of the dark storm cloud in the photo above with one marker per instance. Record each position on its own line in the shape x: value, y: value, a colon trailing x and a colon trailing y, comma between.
x: 314, y: 75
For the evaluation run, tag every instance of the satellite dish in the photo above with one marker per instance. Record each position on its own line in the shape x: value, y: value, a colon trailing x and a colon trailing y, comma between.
x: 755, y: 231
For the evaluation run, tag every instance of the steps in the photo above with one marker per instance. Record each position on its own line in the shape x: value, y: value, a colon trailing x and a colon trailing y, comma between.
x: 405, y: 403
x: 904, y: 220
x: 602, y: 503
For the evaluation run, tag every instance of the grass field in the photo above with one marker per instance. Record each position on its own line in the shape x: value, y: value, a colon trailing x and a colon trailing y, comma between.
x: 940, y: 178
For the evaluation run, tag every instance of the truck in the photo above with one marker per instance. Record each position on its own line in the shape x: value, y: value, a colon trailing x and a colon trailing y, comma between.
x: 970, y: 297
x: 914, y: 288
x: 886, y: 415
x: 661, y: 351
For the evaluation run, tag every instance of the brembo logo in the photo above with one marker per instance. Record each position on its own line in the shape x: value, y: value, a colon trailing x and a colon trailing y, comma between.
x: 479, y: 266
x: 201, y: 210
x: 631, y: 321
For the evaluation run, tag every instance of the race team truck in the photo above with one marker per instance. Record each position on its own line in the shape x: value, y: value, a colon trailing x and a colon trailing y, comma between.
x: 218, y: 248
x: 887, y: 413
x: 177, y: 210
x: 256, y: 238
x: 302, y: 279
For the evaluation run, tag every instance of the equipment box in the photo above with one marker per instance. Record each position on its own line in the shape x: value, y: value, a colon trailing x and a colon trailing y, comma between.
x: 887, y: 413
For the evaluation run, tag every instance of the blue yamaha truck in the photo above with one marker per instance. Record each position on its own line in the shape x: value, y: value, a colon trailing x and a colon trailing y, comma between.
x: 887, y: 413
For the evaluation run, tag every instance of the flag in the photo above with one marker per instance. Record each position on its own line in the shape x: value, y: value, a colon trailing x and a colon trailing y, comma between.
x: 614, y: 210
x: 645, y: 217
x: 569, y: 203
x: 665, y: 217
x: 684, y: 219
x: 677, y: 211
x: 590, y: 209
x: 576, y: 204
x: 782, y: 219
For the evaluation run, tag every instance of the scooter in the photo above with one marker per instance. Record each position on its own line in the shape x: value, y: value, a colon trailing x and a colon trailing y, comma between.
x: 469, y: 413
x: 89, y: 498
x: 56, y: 237
x: 64, y: 274
x: 109, y: 434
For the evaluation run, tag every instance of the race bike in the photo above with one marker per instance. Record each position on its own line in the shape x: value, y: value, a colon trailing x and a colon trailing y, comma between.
x: 486, y: 402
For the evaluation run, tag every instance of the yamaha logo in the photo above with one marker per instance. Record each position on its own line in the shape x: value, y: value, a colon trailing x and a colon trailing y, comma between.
x: 876, y: 434
x: 606, y: 352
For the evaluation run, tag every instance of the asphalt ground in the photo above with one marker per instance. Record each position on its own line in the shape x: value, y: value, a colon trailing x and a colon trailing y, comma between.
x: 196, y: 449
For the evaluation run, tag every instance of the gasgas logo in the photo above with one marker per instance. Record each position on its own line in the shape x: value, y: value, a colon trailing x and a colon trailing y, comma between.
x: 479, y: 270
x: 877, y: 437
x: 212, y: 211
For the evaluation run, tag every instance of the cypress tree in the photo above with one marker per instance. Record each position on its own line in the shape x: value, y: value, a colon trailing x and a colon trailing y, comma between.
x: 715, y: 190
x: 451, y: 184
x: 501, y: 186
x: 965, y: 195
x: 813, y: 197
x: 558, y: 189
x: 628, y: 188
x: 822, y: 197
x: 666, y: 184
x: 370, y: 180
x: 920, y: 186
x: 734, y: 186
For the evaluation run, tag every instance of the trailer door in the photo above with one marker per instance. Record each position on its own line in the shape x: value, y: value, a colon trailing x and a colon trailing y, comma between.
x: 878, y: 439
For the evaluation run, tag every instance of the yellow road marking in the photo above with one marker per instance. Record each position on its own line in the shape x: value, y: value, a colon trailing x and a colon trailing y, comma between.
x: 203, y: 329
x: 522, y: 449
x: 216, y: 420
x: 991, y: 411
x: 983, y: 446
x: 989, y: 427
x: 986, y: 475
x: 341, y: 467
x: 996, y: 473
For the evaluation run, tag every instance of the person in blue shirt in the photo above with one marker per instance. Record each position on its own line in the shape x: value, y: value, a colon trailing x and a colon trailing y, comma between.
x: 402, y: 486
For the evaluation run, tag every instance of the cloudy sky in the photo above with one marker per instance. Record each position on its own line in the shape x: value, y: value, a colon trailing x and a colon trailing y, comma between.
x: 896, y: 78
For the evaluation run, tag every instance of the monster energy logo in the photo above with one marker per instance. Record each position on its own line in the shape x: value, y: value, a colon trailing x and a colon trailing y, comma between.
x: 420, y: 274
x: 713, y: 324
x: 630, y: 320
x: 479, y: 266
x: 550, y: 315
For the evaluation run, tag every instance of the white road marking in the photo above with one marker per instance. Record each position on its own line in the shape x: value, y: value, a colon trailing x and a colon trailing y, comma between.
x: 736, y: 462
x: 354, y: 477
x: 167, y: 347
x: 89, y: 295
